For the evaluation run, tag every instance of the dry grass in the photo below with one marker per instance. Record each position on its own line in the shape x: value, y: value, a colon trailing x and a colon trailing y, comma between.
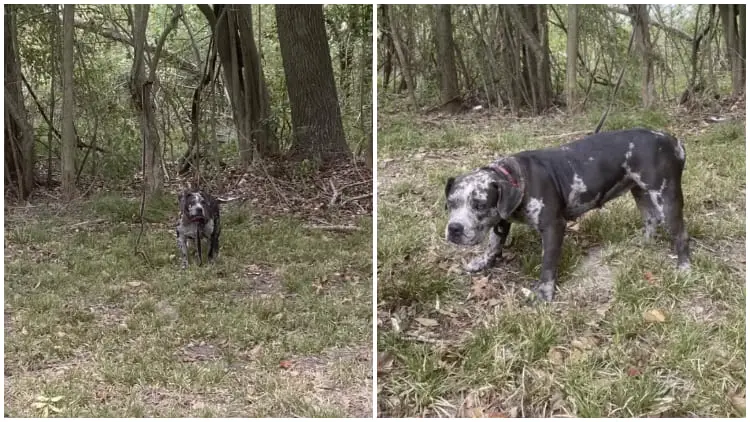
x: 280, y: 326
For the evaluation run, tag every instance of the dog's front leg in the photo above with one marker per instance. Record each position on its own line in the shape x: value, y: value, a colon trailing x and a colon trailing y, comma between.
x: 494, y: 249
x: 182, y: 246
x: 213, y: 248
x: 552, y: 240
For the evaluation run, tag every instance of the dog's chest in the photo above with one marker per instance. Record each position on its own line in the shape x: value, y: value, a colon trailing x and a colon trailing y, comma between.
x: 192, y: 230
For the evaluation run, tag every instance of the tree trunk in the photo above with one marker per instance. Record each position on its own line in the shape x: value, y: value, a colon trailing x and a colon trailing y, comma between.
x: 387, y: 42
x: 402, y: 60
x: 640, y: 20
x: 68, y: 167
x: 19, y: 135
x: 141, y: 91
x: 243, y: 79
x: 572, y: 55
x: 316, y: 117
x: 733, y: 42
x: 445, y: 50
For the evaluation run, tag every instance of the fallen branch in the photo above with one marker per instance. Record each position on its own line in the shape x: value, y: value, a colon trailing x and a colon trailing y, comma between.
x: 335, y: 228
x: 83, y: 223
x: 357, y: 198
x: 335, y: 196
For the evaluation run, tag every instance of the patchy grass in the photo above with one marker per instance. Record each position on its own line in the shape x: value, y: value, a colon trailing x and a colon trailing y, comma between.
x: 471, y: 345
x: 279, y: 326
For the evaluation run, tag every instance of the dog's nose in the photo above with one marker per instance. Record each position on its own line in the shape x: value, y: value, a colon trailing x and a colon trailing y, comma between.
x: 455, y: 229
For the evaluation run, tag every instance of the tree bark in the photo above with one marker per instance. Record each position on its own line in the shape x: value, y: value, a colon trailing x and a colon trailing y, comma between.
x: 316, y: 117
x: 572, y: 55
x: 68, y: 167
x: 733, y: 41
x: 445, y: 50
x: 19, y: 136
x: 640, y: 20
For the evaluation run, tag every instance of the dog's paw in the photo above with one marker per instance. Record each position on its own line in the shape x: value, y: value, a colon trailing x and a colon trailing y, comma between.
x: 478, y: 264
x: 684, y: 268
x: 544, y: 291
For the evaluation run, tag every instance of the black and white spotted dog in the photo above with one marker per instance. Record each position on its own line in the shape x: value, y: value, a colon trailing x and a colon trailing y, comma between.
x: 199, y: 218
x: 545, y: 188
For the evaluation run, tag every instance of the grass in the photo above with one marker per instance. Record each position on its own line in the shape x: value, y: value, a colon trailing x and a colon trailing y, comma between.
x: 593, y: 353
x: 279, y: 326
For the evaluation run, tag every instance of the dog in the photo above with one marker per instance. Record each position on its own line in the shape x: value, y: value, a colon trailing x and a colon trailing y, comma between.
x: 546, y: 188
x: 199, y: 218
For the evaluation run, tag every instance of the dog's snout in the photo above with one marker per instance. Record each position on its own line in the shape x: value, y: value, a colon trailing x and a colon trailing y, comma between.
x: 455, y: 229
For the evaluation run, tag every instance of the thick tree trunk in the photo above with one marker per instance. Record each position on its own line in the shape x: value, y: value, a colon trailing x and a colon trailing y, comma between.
x: 68, y: 167
x: 316, y: 117
x: 445, y: 50
x: 402, y: 60
x: 19, y: 136
x: 572, y: 55
x: 387, y: 42
x: 141, y: 90
x: 640, y: 19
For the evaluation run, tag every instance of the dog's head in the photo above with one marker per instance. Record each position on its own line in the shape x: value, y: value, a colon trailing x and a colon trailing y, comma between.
x: 194, y: 206
x: 476, y: 202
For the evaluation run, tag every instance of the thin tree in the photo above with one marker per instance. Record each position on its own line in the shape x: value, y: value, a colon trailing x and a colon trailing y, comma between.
x: 68, y: 168
x: 572, y: 55
x: 402, y: 59
x: 445, y: 50
x: 640, y: 19
x: 316, y: 117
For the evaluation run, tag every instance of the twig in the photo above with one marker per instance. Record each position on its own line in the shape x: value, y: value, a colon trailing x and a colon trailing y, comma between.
x: 351, y: 185
x: 357, y: 198
x: 336, y: 194
x: 335, y: 228
x: 423, y: 339
x: 83, y: 223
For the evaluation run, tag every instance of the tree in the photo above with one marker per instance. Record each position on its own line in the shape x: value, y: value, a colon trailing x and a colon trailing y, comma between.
x: 243, y: 77
x: 402, y: 58
x: 640, y: 19
x: 316, y: 117
x: 19, y: 136
x: 572, y: 56
x: 734, y: 40
x: 68, y: 165
x: 531, y: 22
x: 445, y: 51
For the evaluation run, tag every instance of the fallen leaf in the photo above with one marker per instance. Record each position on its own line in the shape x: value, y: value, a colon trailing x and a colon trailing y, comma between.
x: 650, y: 277
x: 385, y: 362
x: 56, y: 399
x: 738, y: 401
x: 285, y: 364
x: 133, y: 283
x: 574, y: 227
x: 633, y: 372
x: 497, y: 415
x: 475, y: 412
x: 427, y: 322
x: 654, y: 315
x: 555, y: 355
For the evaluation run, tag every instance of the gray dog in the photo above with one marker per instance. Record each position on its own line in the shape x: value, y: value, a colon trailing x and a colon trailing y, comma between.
x: 545, y: 188
x: 199, y: 218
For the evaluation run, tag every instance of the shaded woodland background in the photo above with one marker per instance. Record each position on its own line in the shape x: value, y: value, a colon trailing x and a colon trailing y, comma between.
x: 529, y: 59
x: 96, y: 93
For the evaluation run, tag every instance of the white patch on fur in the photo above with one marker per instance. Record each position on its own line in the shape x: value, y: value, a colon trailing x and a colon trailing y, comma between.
x: 630, y: 151
x: 591, y: 158
x: 657, y: 133
x: 680, y: 150
x: 576, y: 189
x: 533, y: 209
x: 657, y: 200
x: 636, y: 177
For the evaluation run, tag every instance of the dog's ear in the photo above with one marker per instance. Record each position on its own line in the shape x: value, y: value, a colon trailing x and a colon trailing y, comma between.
x: 508, y: 199
x: 449, y: 185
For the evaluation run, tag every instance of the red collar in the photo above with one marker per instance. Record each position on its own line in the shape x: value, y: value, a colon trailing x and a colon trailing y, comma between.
x: 500, y: 169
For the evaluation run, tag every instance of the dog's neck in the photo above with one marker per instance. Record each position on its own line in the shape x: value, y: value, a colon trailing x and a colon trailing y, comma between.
x: 508, y: 170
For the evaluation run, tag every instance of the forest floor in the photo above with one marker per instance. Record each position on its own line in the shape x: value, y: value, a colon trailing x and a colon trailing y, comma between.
x: 280, y: 326
x: 626, y: 336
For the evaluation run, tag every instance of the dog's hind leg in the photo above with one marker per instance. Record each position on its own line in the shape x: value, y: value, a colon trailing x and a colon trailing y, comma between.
x: 673, y: 204
x: 649, y: 212
x: 182, y: 246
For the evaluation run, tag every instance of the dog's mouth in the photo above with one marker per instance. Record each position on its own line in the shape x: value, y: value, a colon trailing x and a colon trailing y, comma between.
x: 464, y: 240
x: 198, y: 219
